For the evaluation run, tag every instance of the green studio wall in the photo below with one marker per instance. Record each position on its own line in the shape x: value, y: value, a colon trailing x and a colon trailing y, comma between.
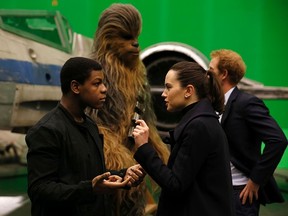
x: 257, y: 29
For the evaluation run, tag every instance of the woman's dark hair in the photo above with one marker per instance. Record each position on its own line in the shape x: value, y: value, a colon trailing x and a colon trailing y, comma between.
x: 77, y: 68
x: 205, y: 82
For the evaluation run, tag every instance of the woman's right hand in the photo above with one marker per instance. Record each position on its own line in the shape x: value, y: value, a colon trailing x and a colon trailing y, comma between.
x: 141, y: 133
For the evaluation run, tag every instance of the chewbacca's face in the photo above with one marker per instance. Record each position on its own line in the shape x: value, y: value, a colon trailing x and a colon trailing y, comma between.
x: 126, y: 48
x: 117, y: 34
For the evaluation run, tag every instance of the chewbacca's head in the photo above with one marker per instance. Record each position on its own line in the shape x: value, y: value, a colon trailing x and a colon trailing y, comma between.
x: 117, y: 34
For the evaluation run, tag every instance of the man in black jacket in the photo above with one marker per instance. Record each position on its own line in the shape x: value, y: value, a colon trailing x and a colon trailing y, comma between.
x: 247, y: 123
x: 66, y: 165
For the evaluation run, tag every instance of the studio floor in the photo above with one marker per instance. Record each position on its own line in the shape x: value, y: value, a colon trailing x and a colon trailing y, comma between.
x: 14, y: 200
x: 278, y: 209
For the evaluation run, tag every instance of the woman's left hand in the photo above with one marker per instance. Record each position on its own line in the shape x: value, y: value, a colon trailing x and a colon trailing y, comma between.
x: 136, y: 174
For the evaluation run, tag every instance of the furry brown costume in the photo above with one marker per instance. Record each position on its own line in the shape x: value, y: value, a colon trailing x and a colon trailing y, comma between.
x: 116, y: 48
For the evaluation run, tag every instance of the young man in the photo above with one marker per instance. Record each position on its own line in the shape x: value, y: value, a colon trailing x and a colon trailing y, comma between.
x: 66, y: 168
x: 247, y: 123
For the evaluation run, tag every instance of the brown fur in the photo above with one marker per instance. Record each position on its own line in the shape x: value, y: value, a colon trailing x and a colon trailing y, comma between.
x: 118, y: 28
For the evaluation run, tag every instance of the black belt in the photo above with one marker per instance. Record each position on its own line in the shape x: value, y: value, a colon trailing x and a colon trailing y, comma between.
x: 238, y: 187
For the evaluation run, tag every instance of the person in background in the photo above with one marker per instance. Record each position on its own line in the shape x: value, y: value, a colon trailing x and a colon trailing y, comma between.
x: 247, y: 124
x: 197, y: 178
x: 66, y: 169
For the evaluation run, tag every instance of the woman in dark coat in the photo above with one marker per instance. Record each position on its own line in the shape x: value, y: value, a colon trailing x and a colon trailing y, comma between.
x: 196, y: 181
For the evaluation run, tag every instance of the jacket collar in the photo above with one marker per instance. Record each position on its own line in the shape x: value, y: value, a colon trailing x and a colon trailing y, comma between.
x: 202, y: 108
x: 231, y: 99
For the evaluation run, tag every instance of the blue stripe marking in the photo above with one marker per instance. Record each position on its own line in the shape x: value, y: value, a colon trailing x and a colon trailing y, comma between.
x: 29, y: 72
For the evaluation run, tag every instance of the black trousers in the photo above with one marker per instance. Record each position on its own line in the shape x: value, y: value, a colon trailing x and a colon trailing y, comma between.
x: 247, y: 209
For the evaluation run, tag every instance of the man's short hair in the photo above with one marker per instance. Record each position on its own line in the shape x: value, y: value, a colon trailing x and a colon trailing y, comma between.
x: 77, y: 68
x: 232, y: 62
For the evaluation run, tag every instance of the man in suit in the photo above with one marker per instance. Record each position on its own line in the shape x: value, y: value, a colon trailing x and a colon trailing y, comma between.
x: 247, y: 123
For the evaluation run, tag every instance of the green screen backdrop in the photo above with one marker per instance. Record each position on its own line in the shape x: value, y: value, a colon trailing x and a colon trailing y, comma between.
x: 257, y: 29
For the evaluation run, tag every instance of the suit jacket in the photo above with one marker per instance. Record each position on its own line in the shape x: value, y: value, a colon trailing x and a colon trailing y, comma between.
x: 247, y: 124
x: 197, y: 178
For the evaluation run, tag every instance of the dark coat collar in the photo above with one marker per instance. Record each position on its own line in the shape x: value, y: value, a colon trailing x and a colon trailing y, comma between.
x: 232, y: 98
x: 202, y: 108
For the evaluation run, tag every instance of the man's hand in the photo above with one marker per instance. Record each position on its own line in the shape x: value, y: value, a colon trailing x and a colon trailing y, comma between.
x: 136, y: 174
x: 107, y: 183
x: 250, y: 191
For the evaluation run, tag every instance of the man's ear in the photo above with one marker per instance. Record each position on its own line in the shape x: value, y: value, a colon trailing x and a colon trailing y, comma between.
x: 74, y: 86
x: 224, y: 74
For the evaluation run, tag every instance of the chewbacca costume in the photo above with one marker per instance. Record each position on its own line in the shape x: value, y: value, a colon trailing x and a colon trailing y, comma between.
x: 116, y: 48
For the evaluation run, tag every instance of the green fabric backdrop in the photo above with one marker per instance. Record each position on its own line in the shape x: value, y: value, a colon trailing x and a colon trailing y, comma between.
x: 257, y: 29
